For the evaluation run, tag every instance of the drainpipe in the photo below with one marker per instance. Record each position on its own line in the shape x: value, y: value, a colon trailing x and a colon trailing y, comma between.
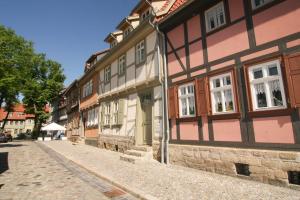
x: 165, y: 124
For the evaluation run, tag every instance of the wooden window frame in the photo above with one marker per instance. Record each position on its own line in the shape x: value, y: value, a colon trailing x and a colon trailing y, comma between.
x: 124, y: 67
x: 221, y: 89
x: 139, y: 62
x: 260, y: 6
x: 127, y: 31
x: 114, y: 112
x: 87, y: 89
x: 186, y: 97
x: 113, y: 44
x: 107, y: 114
x: 107, y: 76
x: 208, y: 29
x: 270, y: 112
x: 230, y: 115
x: 145, y: 14
x: 265, y: 79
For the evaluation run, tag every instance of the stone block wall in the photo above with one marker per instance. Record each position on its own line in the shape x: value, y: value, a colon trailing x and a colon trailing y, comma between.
x: 91, y: 141
x: 268, y: 166
x: 115, y: 143
x: 156, y: 148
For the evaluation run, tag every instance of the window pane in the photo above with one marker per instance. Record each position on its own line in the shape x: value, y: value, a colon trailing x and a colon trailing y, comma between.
x: 228, y: 100
x: 212, y: 23
x: 260, y: 95
x: 276, y: 93
x: 182, y: 91
x: 257, y: 73
x: 216, y: 83
x: 191, y: 105
x: 273, y: 71
x: 226, y: 80
x: 183, y: 107
x: 190, y: 89
x: 218, y: 101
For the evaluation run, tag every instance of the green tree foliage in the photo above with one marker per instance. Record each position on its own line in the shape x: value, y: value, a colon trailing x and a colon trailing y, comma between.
x: 15, y: 55
x: 43, y: 82
x: 23, y: 71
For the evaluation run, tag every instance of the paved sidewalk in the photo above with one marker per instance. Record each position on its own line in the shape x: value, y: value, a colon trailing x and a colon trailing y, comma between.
x: 153, y: 180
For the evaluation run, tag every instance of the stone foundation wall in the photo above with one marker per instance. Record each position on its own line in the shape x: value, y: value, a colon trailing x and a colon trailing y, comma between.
x: 74, y: 138
x: 268, y: 166
x: 115, y: 143
x: 91, y: 141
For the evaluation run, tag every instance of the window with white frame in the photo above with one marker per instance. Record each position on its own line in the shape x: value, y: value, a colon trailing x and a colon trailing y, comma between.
x: 115, y: 112
x: 140, y: 52
x: 266, y: 85
x: 215, y: 17
x: 92, y: 117
x: 186, y: 100
x: 107, y: 114
x: 87, y: 89
x: 221, y: 91
x: 121, y: 65
x: 107, y: 74
x: 145, y: 14
x: 259, y: 3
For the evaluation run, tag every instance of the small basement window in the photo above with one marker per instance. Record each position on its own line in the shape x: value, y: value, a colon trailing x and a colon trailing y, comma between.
x: 242, y: 169
x: 294, y: 177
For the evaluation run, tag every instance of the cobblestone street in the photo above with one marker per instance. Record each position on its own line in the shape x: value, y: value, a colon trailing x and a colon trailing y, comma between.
x: 28, y: 171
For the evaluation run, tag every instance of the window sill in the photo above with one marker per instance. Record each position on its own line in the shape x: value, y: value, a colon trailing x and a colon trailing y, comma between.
x: 187, y: 119
x: 121, y: 74
x: 141, y: 63
x: 270, y: 113
x: 212, y: 31
x: 116, y: 125
x: 225, y: 116
x: 91, y: 127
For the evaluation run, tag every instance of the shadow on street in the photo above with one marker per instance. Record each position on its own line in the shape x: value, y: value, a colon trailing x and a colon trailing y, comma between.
x: 3, y: 162
x: 10, y: 145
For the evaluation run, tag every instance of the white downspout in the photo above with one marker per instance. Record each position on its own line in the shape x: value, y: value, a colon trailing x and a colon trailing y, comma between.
x: 162, y: 148
x: 165, y: 125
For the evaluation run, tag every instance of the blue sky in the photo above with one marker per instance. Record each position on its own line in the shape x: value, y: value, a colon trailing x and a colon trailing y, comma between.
x: 68, y: 31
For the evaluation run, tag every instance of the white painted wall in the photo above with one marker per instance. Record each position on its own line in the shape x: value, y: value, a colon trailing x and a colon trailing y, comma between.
x: 135, y: 75
x: 128, y: 126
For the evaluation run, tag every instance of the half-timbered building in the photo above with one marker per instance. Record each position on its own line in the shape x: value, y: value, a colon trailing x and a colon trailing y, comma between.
x: 88, y: 106
x: 234, y: 87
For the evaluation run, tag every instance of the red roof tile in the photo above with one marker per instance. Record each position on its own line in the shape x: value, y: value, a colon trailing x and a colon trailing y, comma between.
x: 177, y: 4
x: 18, y: 113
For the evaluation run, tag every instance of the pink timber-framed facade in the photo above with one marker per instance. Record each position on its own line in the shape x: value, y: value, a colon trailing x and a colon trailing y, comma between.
x: 233, y: 78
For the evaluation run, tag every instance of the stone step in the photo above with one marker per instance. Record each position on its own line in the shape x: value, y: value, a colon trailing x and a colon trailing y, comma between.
x: 142, y: 148
x: 128, y: 158
x: 135, y: 153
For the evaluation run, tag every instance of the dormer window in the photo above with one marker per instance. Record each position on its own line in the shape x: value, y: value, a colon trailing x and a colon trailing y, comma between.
x: 127, y: 31
x: 113, y: 44
x: 145, y: 14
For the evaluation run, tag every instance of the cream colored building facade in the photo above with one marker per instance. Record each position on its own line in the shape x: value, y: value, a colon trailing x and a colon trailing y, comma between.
x: 130, y: 84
